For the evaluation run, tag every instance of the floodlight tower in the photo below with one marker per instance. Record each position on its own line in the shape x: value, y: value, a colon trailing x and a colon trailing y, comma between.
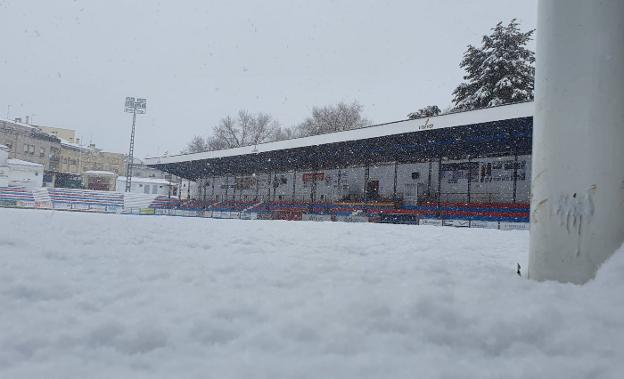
x: 577, y: 189
x: 134, y: 106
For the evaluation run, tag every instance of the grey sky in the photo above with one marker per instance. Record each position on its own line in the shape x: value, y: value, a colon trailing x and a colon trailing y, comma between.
x: 71, y: 63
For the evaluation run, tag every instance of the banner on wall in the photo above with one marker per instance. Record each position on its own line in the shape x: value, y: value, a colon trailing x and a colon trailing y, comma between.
x: 313, y: 177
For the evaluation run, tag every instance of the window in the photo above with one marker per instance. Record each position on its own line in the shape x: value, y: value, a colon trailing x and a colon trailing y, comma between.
x: 146, y: 189
x: 415, y: 175
x: 25, y: 148
x: 41, y: 152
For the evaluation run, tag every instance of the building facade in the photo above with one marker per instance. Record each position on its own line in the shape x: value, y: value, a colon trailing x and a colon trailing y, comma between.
x: 94, y: 159
x: 30, y: 144
x: 68, y: 135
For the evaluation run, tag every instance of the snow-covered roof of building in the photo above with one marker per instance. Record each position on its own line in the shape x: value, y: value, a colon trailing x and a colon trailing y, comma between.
x: 19, y: 162
x: 18, y: 123
x: 393, y: 128
x: 144, y: 180
x: 66, y: 143
x: 102, y: 173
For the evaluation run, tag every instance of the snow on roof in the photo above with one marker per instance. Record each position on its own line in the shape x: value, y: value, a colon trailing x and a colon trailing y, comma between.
x: 19, y: 162
x: 19, y: 123
x: 65, y: 142
x: 103, y: 173
x: 450, y: 120
x: 144, y: 180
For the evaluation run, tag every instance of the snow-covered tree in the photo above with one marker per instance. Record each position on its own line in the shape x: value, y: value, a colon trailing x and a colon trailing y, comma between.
x: 281, y: 134
x: 428, y: 111
x: 501, y: 71
x: 333, y: 118
x: 197, y: 145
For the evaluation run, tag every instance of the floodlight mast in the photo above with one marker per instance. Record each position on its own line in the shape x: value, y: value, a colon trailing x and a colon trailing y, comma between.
x: 133, y: 106
x: 577, y: 189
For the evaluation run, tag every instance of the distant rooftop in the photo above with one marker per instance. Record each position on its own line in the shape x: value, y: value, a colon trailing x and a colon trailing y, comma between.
x: 144, y: 180
x: 19, y: 162
x: 102, y: 173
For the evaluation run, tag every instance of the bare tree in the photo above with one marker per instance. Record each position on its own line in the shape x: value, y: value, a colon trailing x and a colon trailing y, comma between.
x: 247, y: 129
x: 333, y: 118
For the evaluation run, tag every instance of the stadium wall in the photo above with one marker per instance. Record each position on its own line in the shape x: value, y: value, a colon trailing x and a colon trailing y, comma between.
x: 502, y: 179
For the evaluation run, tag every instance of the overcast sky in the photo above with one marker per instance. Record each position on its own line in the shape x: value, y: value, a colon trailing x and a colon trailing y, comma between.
x: 71, y: 63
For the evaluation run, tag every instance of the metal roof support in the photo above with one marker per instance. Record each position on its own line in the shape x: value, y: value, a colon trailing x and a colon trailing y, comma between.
x: 515, y: 177
x: 469, y: 180
x: 294, y: 185
x: 394, y: 185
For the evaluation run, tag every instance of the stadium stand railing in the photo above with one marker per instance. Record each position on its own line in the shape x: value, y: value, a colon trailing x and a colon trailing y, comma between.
x: 511, y: 215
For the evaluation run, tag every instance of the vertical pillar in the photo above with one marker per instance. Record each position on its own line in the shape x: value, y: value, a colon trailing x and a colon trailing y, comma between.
x: 394, y: 188
x: 294, y: 185
x: 339, y: 195
x: 577, y: 205
x: 213, y: 181
x: 366, y: 176
x: 439, y: 181
x: 469, y: 179
x: 515, y: 177
x: 205, y: 187
x: 257, y: 185
x: 429, y: 180
x: 227, y: 188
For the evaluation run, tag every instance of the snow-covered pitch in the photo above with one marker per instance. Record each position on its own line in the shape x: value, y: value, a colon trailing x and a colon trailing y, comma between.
x: 112, y: 296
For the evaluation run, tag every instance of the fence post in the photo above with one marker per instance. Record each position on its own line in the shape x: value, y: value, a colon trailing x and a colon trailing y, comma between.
x: 577, y: 205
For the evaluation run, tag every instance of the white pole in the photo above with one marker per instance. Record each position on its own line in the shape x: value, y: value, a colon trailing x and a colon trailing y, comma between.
x: 577, y: 206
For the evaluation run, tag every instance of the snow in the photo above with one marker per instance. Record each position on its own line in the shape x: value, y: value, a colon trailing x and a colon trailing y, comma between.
x: 136, y: 179
x: 394, y: 128
x: 3, y: 120
x: 102, y: 173
x: 19, y: 162
x: 113, y: 296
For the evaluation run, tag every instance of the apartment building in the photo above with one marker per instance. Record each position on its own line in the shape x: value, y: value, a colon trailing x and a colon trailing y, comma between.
x: 30, y: 144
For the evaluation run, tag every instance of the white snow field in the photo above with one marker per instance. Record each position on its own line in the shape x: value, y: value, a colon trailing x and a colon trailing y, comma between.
x: 112, y: 296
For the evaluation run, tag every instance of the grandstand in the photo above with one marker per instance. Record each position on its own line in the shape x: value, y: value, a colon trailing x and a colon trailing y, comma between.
x: 472, y: 166
x: 16, y: 197
x: 65, y: 198
x: 83, y: 200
